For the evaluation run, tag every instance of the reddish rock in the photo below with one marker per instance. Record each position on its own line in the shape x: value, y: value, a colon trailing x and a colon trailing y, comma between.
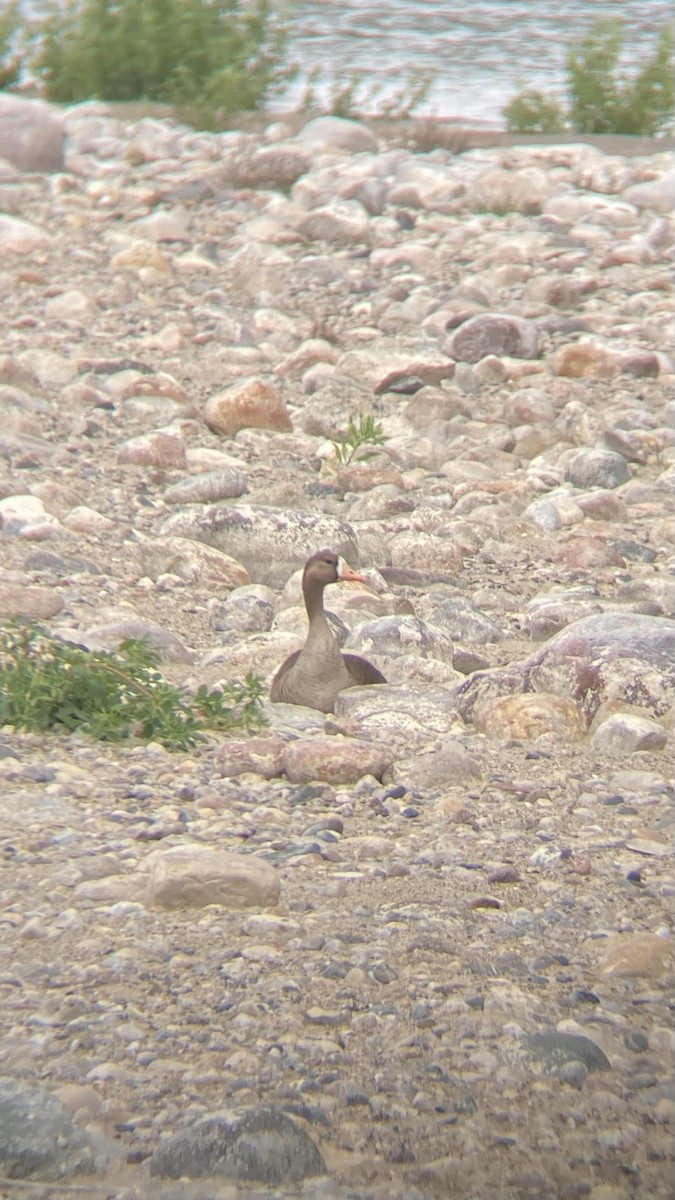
x: 250, y: 404
x: 153, y: 450
x: 527, y: 717
x: 334, y: 760
x: 260, y: 755
x: 587, y: 552
x: 585, y: 360
x: 494, y: 333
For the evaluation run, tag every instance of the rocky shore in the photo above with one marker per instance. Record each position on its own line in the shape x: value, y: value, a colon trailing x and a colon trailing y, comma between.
x: 422, y: 946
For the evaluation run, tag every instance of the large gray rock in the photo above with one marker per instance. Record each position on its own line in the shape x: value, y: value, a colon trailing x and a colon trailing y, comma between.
x: 264, y: 1146
x: 270, y: 542
x: 611, y: 656
x: 38, y: 1139
x: 31, y: 134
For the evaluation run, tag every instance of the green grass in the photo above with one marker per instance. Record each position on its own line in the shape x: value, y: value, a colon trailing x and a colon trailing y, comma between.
x: 46, y: 683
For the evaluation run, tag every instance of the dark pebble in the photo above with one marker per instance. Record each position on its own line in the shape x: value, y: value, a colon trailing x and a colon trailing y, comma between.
x: 636, y: 1041
x: 410, y: 812
x: 582, y: 996
x: 395, y: 793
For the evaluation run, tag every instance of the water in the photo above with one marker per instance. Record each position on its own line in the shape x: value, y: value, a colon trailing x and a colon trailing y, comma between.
x: 481, y: 53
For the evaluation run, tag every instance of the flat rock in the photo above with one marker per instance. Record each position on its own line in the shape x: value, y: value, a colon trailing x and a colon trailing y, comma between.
x: 270, y: 542
x: 335, y: 760
x: 194, y: 876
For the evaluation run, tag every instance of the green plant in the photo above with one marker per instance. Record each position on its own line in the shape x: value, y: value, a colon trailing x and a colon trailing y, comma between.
x: 530, y: 111
x: 210, y: 58
x: 601, y: 97
x: 47, y: 683
x: 368, y: 432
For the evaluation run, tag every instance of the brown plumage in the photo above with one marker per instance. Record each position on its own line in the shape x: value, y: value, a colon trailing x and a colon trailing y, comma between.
x: 315, y: 674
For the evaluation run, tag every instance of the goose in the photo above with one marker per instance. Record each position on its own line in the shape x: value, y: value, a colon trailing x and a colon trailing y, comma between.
x: 315, y: 674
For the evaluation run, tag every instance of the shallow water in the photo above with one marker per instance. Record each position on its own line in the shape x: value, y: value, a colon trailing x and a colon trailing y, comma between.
x: 480, y: 53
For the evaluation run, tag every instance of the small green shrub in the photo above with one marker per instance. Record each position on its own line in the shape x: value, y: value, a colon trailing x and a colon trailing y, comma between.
x: 368, y: 432
x: 210, y: 58
x: 601, y: 98
x: 47, y: 683
x: 531, y: 111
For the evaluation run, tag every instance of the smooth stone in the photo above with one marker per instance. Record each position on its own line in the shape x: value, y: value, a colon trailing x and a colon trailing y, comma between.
x: 263, y: 1146
x: 194, y: 876
x: 528, y: 717
x: 341, y: 222
x: 334, y: 760
x: 493, y: 333
x: 19, y: 237
x: 622, y: 656
x: 625, y: 733
x: 543, y: 619
x: 31, y: 134
x: 596, y: 468
x: 459, y: 619
x: 258, y: 755
x: 270, y: 542
x: 191, y: 561
x: 156, y: 449
x: 426, y: 552
x: 244, y: 611
x: 336, y: 133
x: 636, y: 955
x: 38, y: 1138
x: 554, y: 1050
x: 446, y: 767
x: 251, y: 403
x: 224, y: 484
x: 110, y: 636
x: 411, y: 713
x: 34, y: 603
x: 395, y: 635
